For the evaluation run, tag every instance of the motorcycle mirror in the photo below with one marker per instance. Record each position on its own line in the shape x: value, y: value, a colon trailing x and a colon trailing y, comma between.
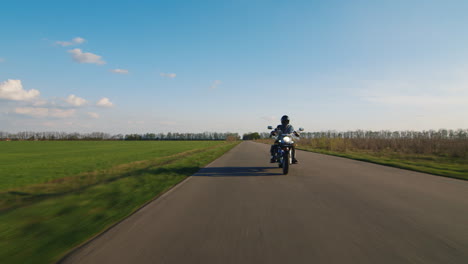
x: 270, y: 127
x: 301, y: 129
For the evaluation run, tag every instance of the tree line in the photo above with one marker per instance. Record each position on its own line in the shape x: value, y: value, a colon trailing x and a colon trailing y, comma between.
x: 385, y: 134
x: 358, y: 134
x: 54, y: 135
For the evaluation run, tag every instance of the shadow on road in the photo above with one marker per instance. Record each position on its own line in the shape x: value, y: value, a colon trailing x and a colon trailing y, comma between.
x: 237, y: 172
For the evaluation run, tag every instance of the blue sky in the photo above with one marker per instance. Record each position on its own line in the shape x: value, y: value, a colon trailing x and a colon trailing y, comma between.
x: 194, y: 66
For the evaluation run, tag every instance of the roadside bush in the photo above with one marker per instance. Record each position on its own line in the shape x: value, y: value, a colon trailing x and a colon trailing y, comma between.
x: 455, y: 148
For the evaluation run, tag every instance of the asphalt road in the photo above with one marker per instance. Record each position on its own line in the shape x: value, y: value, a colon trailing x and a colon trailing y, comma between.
x: 240, y: 209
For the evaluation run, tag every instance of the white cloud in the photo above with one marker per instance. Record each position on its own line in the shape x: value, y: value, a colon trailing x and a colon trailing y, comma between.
x: 64, y: 43
x: 54, y: 112
x: 13, y: 90
x: 215, y: 84
x: 104, y: 102
x: 75, y: 100
x: 168, y: 75
x: 119, y: 71
x: 74, y: 41
x: 93, y: 115
x: 40, y: 103
x: 86, y: 57
x: 78, y: 40
x: 44, y: 112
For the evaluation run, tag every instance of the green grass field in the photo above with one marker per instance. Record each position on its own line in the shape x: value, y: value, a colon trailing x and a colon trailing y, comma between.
x: 25, y: 162
x: 41, y: 221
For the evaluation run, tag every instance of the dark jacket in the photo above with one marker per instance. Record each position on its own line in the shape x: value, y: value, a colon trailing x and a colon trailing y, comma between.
x: 284, y: 129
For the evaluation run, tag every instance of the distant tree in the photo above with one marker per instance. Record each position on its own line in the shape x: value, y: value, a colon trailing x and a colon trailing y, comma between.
x: 251, y: 136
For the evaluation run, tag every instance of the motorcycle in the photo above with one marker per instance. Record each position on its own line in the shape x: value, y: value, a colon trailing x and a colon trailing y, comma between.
x: 284, y: 150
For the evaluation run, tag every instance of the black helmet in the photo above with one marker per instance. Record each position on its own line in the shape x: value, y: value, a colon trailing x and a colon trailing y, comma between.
x: 285, y: 120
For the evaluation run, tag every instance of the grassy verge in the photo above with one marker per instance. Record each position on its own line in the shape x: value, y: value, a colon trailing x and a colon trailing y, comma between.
x: 52, y: 220
x: 442, y: 166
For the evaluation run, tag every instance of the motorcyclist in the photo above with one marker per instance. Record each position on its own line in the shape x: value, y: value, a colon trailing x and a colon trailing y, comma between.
x: 284, y: 128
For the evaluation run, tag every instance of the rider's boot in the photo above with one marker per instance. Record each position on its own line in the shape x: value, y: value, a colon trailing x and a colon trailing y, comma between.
x: 273, y: 159
x: 294, y: 161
